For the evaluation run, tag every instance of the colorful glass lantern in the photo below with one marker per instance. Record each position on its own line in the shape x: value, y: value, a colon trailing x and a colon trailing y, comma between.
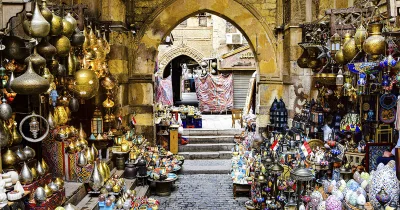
x: 97, y: 123
x: 335, y: 43
x: 54, y: 96
x: 339, y: 78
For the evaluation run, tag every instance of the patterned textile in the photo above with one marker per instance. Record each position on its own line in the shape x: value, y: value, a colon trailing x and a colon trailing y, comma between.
x: 164, y: 91
x: 63, y: 164
x: 215, y: 93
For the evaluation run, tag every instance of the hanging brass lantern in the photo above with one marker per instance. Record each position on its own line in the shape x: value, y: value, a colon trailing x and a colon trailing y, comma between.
x: 38, y: 27
x: 71, y: 20
x: 56, y: 27
x: 63, y: 45
x: 96, y: 123
x: 375, y: 44
x: 78, y: 38
x: 45, y: 49
x: 86, y: 84
x: 339, y: 57
x: 108, y: 103
x: 46, y: 12
x: 71, y: 64
x: 68, y: 29
x: 360, y: 36
x: 30, y: 83
x: 38, y: 62
x: 349, y: 48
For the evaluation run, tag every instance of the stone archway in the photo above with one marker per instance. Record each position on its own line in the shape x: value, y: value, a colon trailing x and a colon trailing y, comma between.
x: 177, y: 51
x: 239, y: 12
x: 242, y: 14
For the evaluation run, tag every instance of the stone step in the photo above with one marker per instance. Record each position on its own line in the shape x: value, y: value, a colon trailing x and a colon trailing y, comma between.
x: 211, y: 132
x: 206, y: 166
x: 207, y: 155
x: 209, y: 139
x: 206, y: 147
x: 74, y: 192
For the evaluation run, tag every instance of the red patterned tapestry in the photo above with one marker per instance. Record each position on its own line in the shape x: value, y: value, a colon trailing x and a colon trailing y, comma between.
x: 215, y: 92
x: 164, y: 91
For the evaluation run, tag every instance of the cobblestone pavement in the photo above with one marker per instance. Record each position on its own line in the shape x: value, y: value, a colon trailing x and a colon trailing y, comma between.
x: 202, y: 191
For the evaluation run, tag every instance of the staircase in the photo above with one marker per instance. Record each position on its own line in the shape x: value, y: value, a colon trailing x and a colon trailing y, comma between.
x: 209, y: 150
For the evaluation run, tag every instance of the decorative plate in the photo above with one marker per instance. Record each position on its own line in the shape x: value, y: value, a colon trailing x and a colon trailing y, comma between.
x: 387, y: 115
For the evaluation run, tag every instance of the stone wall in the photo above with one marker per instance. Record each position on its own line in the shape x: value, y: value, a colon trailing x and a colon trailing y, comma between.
x: 142, y: 9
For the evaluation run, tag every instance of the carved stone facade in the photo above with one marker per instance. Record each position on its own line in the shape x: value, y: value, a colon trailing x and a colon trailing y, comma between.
x: 177, y: 51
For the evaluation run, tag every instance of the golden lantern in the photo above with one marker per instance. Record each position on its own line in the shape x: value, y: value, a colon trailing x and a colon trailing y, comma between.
x: 86, y: 84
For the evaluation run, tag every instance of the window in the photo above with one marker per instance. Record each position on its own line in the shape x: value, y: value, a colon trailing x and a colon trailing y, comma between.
x: 202, y: 19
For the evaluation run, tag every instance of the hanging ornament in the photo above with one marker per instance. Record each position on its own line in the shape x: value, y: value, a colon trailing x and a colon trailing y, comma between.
x: 38, y: 26
x: 73, y: 104
x: 34, y: 128
x: 86, y: 84
x: 53, y: 97
x: 30, y: 83
x: 5, y: 110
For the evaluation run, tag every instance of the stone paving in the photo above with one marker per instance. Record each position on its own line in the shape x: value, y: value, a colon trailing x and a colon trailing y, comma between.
x: 202, y: 191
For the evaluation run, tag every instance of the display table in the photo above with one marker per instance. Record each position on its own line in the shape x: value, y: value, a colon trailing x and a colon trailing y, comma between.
x: 163, y: 188
x: 241, y: 188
